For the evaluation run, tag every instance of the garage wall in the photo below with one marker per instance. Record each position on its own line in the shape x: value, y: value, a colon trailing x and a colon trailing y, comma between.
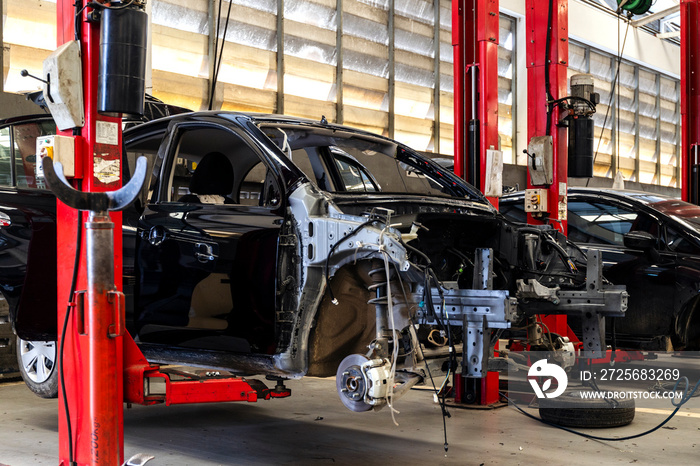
x: 381, y: 65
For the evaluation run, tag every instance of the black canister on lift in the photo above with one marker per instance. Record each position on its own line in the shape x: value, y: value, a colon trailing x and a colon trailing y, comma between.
x: 122, y: 75
x: 581, y: 127
x: 581, y: 134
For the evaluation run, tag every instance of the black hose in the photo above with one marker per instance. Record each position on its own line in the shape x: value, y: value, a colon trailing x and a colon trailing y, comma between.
x: 547, y: 62
x: 687, y: 394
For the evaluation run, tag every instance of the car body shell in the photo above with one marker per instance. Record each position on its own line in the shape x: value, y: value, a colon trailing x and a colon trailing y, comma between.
x: 251, y: 285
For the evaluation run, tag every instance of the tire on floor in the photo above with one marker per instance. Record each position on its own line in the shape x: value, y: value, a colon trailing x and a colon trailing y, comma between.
x: 572, y: 410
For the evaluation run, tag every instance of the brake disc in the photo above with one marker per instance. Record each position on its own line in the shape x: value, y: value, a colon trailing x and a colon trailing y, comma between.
x: 352, y: 383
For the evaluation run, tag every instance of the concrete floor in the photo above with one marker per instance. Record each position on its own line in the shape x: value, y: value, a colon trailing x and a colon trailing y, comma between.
x: 313, y: 427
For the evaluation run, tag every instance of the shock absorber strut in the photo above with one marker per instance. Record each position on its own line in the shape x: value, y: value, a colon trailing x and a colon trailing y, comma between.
x: 380, y: 286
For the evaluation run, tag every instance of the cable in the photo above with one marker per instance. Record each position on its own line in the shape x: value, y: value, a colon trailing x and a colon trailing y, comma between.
x: 590, y: 104
x: 441, y: 401
x: 333, y: 248
x: 218, y: 52
x: 612, y: 94
x: 687, y: 394
x: 106, y: 7
x: 547, y: 62
x: 392, y: 324
x: 74, y: 281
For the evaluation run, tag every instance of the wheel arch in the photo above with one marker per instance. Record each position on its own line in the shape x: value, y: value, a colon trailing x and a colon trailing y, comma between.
x: 686, y: 331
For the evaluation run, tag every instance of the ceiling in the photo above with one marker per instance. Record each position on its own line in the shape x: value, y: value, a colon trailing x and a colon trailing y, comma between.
x: 662, y: 19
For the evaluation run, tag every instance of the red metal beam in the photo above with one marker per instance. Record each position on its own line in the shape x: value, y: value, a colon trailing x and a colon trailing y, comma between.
x: 141, y: 384
x: 475, y: 45
x: 537, y: 14
x: 538, y: 117
x: 690, y: 100
x: 475, y: 31
x: 97, y: 419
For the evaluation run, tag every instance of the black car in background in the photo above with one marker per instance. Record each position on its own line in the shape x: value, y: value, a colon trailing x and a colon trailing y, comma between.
x: 650, y: 244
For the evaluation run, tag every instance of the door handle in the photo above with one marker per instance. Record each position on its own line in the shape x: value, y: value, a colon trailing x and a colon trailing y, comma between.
x: 204, y: 252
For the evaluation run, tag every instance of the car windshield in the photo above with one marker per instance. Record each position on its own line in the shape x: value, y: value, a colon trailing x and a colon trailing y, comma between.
x: 683, y: 211
x: 343, y: 161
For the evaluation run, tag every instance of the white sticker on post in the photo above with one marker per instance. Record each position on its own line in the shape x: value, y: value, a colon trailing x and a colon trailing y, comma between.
x: 107, y: 171
x: 107, y: 133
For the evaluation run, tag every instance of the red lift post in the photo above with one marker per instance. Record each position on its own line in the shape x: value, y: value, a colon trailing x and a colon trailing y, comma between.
x: 101, y: 365
x: 475, y: 46
x: 94, y: 419
x: 690, y: 101
x: 542, y: 122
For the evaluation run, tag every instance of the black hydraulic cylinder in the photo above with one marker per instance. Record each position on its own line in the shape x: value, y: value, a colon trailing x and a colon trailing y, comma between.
x: 474, y: 166
x: 580, y: 147
x: 122, y: 75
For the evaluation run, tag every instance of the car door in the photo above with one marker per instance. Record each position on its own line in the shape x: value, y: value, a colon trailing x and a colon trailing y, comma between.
x: 598, y: 222
x: 207, y: 247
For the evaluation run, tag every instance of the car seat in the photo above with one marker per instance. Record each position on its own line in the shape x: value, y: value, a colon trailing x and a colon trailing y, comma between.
x: 212, y: 181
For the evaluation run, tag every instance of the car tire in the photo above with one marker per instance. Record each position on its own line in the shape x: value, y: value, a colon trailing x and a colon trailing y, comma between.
x: 37, y: 365
x: 571, y: 410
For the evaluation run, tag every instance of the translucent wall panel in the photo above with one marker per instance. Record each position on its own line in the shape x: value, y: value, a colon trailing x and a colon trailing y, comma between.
x: 637, y: 124
x: 180, y: 61
x: 415, y: 73
x: 366, y: 65
x: 388, y: 69
x: 506, y: 76
x: 446, y: 80
x: 29, y: 36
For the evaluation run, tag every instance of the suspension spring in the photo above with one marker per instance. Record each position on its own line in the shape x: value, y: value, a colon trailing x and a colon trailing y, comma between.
x: 380, y: 287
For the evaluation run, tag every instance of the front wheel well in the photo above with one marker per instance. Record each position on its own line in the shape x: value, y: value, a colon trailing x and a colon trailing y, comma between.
x: 346, y: 328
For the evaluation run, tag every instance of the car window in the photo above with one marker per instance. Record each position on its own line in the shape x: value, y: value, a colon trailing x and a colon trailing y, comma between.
x: 311, y: 163
x: 592, y: 221
x: 677, y: 242
x: 216, y: 166
x: 356, y: 162
x: 355, y: 177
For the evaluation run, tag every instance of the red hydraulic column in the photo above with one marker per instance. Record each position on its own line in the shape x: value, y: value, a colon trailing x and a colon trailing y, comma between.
x: 96, y: 422
x: 547, y: 80
x: 475, y: 46
x: 544, y: 78
x: 690, y: 101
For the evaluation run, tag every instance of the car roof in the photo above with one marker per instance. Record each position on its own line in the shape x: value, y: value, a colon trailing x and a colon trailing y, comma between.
x: 642, y: 197
x: 25, y: 118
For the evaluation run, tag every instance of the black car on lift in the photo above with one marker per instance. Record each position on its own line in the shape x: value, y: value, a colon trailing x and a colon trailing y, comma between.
x: 650, y: 244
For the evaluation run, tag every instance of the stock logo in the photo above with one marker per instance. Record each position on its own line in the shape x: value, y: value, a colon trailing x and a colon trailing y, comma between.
x: 552, y: 372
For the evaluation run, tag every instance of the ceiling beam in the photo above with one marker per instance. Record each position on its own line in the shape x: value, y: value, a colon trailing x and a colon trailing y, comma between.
x: 668, y: 35
x: 654, y: 16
